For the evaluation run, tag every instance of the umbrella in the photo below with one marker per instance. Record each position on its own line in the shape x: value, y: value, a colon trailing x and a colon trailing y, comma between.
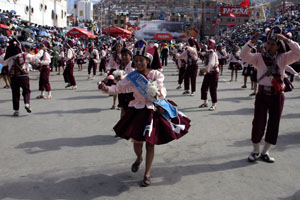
x: 43, y: 34
x: 28, y: 30
x: 34, y: 28
x: 28, y: 44
x: 3, y: 26
x: 13, y: 12
x: 3, y: 38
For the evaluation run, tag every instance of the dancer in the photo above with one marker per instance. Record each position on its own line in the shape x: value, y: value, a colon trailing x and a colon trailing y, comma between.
x: 142, y: 122
x: 43, y: 60
x: 68, y: 72
x: 114, y: 63
x: 222, y: 56
x: 211, y: 78
x: 235, y: 62
x: 93, y: 56
x: 270, y: 97
x: 190, y: 56
x: 18, y: 69
x: 79, y: 58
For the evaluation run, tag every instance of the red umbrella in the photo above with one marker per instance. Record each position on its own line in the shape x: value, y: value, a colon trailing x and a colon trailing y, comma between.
x: 4, y: 26
x: 80, y: 33
x: 117, y: 31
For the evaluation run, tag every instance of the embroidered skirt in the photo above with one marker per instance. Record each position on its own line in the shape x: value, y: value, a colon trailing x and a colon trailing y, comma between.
x: 150, y: 126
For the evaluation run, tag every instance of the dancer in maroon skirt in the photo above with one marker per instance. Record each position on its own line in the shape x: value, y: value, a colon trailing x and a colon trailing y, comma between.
x: 68, y: 72
x: 43, y: 59
x: 143, y: 122
x: 270, y: 97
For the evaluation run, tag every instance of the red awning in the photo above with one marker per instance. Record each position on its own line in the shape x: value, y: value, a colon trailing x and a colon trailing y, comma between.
x: 81, y: 33
x: 4, y: 26
x: 117, y: 31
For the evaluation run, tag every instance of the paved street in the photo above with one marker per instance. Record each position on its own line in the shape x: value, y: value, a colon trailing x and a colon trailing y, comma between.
x: 66, y: 148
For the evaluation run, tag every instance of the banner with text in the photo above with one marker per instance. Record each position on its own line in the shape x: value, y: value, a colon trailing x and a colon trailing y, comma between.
x: 235, y: 10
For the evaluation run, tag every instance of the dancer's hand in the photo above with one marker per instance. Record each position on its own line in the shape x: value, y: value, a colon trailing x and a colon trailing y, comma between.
x: 102, y: 86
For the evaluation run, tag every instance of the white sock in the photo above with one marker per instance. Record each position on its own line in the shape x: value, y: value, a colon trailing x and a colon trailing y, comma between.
x: 255, y: 147
x: 49, y: 93
x: 42, y: 93
x: 27, y: 104
x: 205, y: 101
x: 266, y: 148
x: 214, y: 104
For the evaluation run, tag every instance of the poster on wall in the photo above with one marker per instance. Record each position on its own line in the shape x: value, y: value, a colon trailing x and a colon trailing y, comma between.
x: 162, y: 29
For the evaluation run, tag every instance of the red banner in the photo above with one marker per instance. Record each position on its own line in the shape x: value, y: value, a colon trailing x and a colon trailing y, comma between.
x: 163, y: 36
x: 235, y: 10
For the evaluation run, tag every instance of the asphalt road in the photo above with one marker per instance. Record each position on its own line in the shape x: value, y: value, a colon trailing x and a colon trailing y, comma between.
x: 66, y: 149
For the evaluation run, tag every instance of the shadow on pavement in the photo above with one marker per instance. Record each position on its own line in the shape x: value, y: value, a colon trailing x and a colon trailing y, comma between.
x: 236, y: 99
x: 98, y: 185
x: 78, y: 111
x: 285, y: 141
x: 85, y: 97
x: 243, y: 111
x: 291, y: 116
x: 295, y: 196
x: 57, y: 144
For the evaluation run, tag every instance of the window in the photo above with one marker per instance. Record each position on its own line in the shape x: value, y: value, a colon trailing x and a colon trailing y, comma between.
x: 122, y: 22
x: 41, y: 7
x: 62, y: 14
x: 32, y: 10
x: 46, y: 7
x: 207, y: 19
x: 26, y: 9
x: 245, y: 20
x: 115, y: 21
x: 52, y: 14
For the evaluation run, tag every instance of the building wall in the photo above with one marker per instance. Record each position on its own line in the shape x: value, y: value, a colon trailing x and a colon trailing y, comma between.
x: 43, y: 12
x: 83, y: 10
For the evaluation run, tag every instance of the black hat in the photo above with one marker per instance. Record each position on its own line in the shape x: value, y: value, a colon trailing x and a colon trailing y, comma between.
x: 13, y: 49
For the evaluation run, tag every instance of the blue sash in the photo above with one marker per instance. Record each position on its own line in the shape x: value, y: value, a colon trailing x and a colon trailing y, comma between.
x: 141, y: 84
x: 1, y: 66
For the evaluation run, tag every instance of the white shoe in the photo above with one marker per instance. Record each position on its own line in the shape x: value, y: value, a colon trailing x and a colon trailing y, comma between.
x: 253, y: 157
x: 93, y: 77
x: 74, y: 87
x: 48, y: 97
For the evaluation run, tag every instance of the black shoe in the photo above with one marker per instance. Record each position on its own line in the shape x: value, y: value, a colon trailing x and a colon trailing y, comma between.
x: 267, y: 158
x: 28, y: 109
x: 16, y: 113
x: 186, y: 92
x: 244, y: 86
x: 253, y: 157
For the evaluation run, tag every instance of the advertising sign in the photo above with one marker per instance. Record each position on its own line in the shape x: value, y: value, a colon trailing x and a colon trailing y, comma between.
x: 235, y: 10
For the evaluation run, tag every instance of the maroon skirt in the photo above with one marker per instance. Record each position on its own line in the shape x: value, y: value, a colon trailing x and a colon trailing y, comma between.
x: 148, y: 125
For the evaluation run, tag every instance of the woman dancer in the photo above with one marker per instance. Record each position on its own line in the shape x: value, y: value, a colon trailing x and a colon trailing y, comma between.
x: 235, y: 62
x: 142, y: 122
x: 43, y: 60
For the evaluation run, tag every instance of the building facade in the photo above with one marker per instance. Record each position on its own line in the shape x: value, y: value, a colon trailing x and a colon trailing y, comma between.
x: 83, y: 10
x: 41, y: 12
x: 203, y: 15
